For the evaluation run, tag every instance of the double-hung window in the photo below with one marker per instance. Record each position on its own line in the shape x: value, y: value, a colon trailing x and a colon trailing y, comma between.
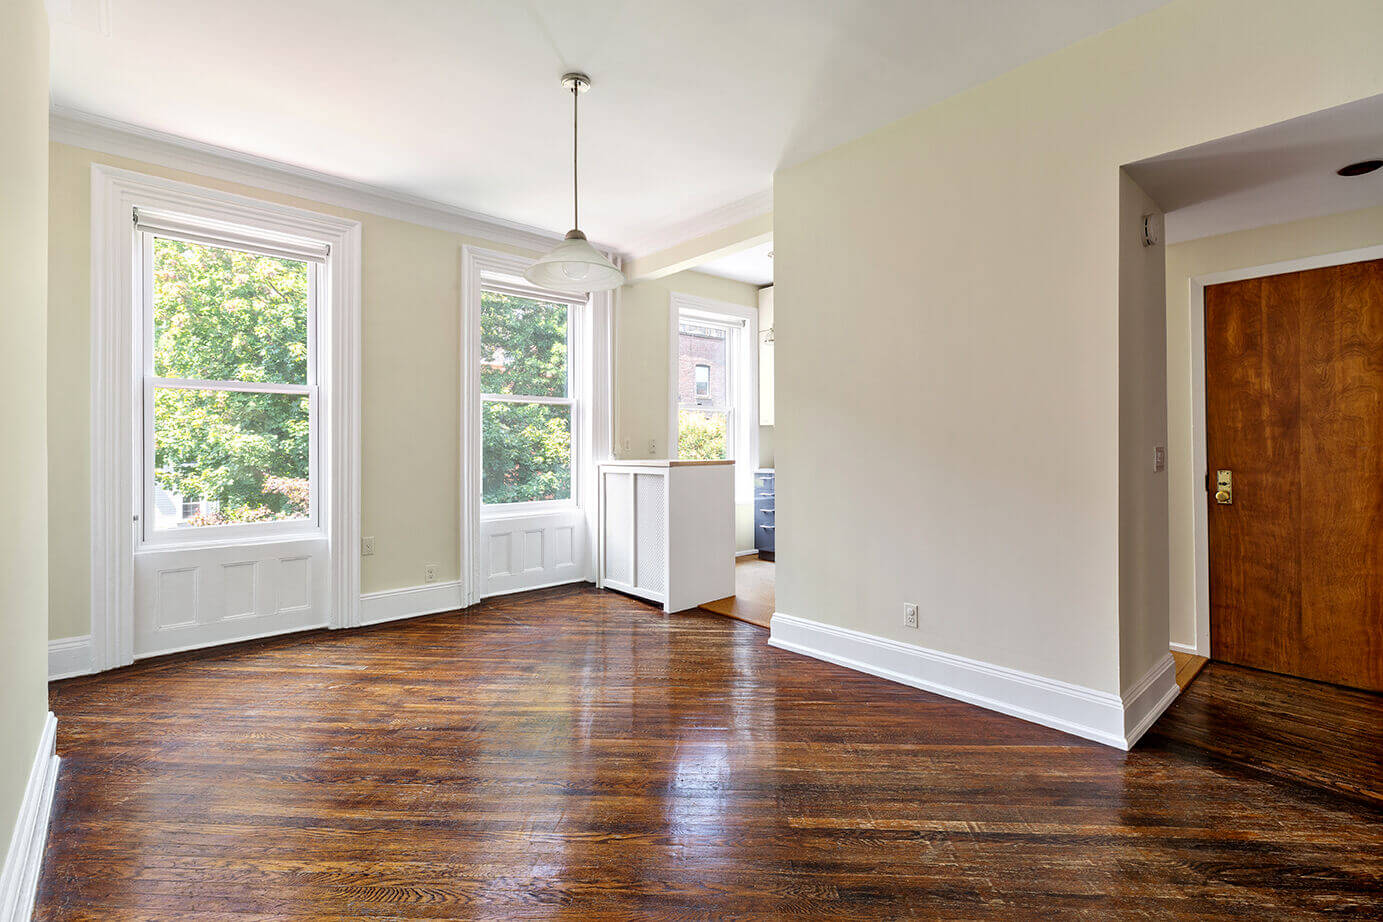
x: 707, y: 387
x: 228, y: 358
x: 529, y: 402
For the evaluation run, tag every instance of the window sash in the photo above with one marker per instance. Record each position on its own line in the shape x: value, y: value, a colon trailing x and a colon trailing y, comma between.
x: 733, y: 332
x: 150, y: 383
x: 573, y: 400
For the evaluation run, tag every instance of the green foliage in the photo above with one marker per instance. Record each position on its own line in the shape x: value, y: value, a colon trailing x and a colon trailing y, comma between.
x: 228, y: 315
x: 526, y: 447
x: 700, y: 435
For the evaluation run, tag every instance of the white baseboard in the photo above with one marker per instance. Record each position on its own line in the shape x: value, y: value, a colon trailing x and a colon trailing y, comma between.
x: 70, y: 656
x: 24, y: 860
x: 1085, y: 712
x: 1185, y: 648
x: 749, y: 553
x: 394, y: 604
x: 1145, y: 701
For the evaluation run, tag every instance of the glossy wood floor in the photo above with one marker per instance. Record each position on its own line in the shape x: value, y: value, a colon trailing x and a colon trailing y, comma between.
x: 575, y: 754
x: 1293, y: 730
x: 1188, y: 666
x: 754, y: 596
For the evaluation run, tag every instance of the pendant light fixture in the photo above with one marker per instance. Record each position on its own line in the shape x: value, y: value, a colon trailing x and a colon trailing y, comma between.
x: 574, y: 265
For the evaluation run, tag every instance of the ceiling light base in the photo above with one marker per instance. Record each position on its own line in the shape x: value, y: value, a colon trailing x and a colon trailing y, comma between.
x: 576, y: 81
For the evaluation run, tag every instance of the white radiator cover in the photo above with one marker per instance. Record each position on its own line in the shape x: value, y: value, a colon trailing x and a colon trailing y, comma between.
x: 667, y: 531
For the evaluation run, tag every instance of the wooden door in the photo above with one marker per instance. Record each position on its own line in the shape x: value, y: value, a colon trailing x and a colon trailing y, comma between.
x: 1294, y: 408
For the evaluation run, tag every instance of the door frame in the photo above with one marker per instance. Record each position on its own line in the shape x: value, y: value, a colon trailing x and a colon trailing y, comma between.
x: 115, y: 193
x: 1200, y: 520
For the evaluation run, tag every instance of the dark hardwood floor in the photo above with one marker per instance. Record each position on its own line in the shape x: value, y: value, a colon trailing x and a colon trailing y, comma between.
x: 574, y: 754
x: 1291, y: 730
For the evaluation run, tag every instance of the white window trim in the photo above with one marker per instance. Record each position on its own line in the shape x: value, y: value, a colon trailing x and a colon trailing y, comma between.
x: 115, y: 393
x: 745, y: 387
x: 480, y: 267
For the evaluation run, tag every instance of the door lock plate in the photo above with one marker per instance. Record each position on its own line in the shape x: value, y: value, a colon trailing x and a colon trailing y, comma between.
x: 1224, y: 487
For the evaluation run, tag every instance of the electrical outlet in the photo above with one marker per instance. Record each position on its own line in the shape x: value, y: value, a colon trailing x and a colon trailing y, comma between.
x: 627, y: 446
x: 430, y: 573
x: 652, y: 446
x: 909, y: 614
x: 367, y: 546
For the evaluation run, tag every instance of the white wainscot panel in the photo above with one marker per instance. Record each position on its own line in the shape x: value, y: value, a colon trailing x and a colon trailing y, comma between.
x: 533, y: 550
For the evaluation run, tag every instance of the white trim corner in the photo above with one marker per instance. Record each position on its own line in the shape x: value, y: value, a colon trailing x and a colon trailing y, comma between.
x: 24, y: 860
x: 69, y: 657
x: 1095, y: 715
x: 411, y: 602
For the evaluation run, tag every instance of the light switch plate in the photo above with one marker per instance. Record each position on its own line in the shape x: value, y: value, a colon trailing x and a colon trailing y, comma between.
x: 1159, y: 458
x: 367, y: 546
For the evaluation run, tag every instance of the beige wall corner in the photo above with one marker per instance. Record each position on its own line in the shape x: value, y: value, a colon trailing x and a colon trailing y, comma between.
x: 966, y: 453
x: 23, y: 463
x: 692, y: 253
x: 1353, y: 230
x: 1142, y: 428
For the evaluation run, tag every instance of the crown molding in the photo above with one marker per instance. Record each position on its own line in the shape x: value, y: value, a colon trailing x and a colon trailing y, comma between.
x: 121, y: 139
x: 737, y: 212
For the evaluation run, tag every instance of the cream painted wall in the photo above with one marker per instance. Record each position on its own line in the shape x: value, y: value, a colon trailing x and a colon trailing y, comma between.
x: 1142, y: 427
x: 410, y: 393
x: 641, y: 366
x: 967, y: 453
x: 1240, y: 250
x: 23, y: 463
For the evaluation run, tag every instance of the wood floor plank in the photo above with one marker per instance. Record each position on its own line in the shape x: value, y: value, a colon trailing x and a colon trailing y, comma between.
x: 578, y: 754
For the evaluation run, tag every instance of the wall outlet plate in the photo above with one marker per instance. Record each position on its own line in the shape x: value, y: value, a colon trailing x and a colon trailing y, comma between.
x: 1159, y: 458
x: 909, y: 614
x: 430, y: 573
x: 652, y: 446
x: 367, y: 546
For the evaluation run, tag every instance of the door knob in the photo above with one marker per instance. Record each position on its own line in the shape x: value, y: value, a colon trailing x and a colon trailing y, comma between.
x: 1224, y: 487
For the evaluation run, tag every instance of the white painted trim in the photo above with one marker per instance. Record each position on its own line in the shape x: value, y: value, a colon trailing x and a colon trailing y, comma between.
x: 737, y: 212
x: 69, y: 656
x: 746, y: 387
x: 1184, y: 648
x: 1080, y: 711
x: 1200, y: 523
x: 24, y: 860
x: 1145, y: 701
x: 747, y: 553
x: 108, y: 136
x: 552, y: 585
x: 427, y: 599
x: 115, y: 392
x: 592, y: 423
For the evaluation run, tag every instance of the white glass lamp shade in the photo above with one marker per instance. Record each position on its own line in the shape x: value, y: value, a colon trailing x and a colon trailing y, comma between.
x: 574, y: 266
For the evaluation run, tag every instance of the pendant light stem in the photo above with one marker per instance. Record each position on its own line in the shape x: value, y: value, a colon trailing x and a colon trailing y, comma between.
x: 575, y: 195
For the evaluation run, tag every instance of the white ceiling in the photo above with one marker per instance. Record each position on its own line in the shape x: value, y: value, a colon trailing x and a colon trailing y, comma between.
x: 1283, y: 172
x: 695, y: 102
x: 754, y: 265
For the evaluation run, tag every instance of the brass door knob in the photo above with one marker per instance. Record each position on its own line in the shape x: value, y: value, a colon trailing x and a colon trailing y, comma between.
x: 1222, y: 496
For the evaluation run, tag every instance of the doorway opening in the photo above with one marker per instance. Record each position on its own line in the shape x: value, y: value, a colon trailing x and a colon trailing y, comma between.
x: 1270, y: 452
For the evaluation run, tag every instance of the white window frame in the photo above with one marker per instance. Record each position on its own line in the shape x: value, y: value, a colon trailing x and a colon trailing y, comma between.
x: 742, y: 432
x: 597, y: 417
x: 116, y: 395
x: 577, y: 308
x: 148, y: 382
